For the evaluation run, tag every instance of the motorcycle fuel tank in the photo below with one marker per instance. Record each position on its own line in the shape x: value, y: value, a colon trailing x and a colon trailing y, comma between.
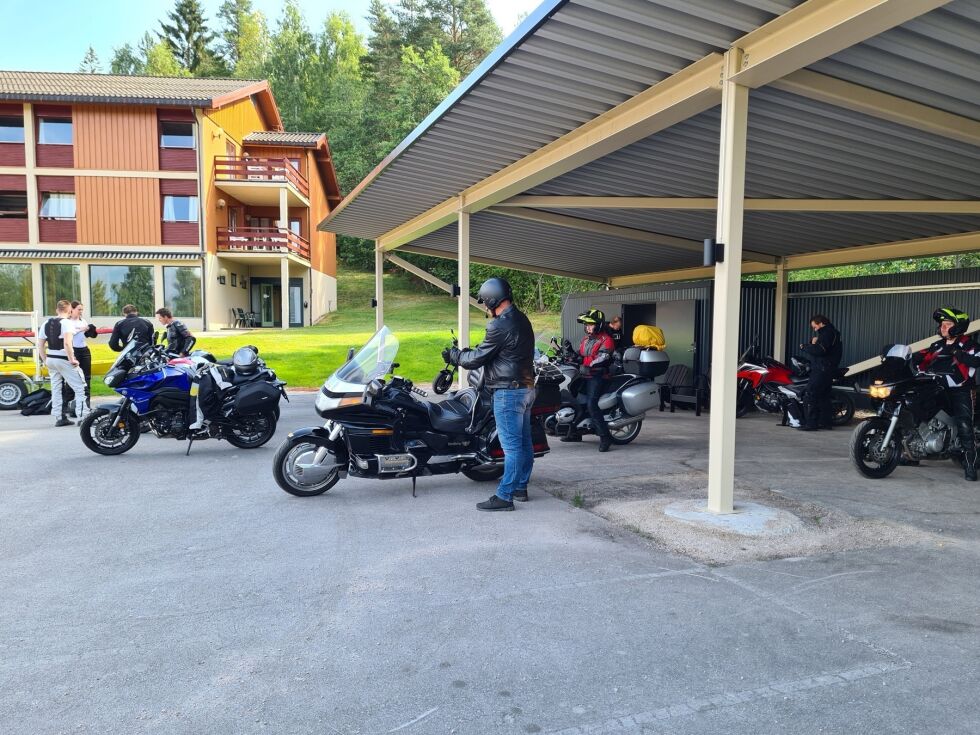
x: 640, y: 398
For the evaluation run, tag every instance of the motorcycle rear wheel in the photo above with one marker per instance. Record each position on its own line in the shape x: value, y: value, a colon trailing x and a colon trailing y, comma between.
x: 745, y: 402
x: 484, y: 472
x: 288, y: 469
x: 870, y: 459
x: 626, y: 434
x: 102, y: 438
x: 843, y: 406
x: 252, y: 431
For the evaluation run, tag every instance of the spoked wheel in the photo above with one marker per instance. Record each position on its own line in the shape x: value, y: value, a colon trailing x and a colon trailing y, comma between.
x: 443, y: 382
x: 252, y: 432
x: 843, y: 406
x: 297, y: 472
x: 626, y: 434
x: 484, y: 472
x: 102, y: 437
x: 11, y: 394
x: 871, y: 458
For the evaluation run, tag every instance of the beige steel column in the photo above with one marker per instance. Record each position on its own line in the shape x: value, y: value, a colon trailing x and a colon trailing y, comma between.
x: 284, y: 281
x: 379, y: 289
x: 781, y: 311
x: 728, y: 285
x: 159, y: 291
x: 37, y: 287
x: 30, y: 161
x: 463, y: 279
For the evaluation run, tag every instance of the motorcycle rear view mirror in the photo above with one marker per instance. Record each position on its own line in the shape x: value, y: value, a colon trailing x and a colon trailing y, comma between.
x: 350, y: 354
x: 372, y: 391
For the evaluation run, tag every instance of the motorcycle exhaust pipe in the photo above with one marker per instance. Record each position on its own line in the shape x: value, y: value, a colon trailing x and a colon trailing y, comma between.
x: 624, y: 421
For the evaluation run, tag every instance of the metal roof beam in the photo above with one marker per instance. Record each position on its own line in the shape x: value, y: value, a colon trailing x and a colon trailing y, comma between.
x: 922, y: 247
x: 610, y: 230
x: 818, y: 29
x: 428, y: 277
x: 451, y: 255
x: 849, y: 96
x: 910, y: 206
x: 687, y: 93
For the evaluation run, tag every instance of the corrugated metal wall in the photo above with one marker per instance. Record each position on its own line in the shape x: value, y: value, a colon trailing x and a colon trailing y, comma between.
x: 867, y: 319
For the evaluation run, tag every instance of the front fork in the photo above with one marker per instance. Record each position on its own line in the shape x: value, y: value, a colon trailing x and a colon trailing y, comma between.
x: 335, y: 430
x: 122, y: 410
x: 891, y: 426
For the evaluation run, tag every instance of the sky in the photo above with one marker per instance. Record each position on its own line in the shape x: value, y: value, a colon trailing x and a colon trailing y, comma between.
x: 53, y: 36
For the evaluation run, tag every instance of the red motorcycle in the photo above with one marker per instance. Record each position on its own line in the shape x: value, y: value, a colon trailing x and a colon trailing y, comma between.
x: 759, y: 380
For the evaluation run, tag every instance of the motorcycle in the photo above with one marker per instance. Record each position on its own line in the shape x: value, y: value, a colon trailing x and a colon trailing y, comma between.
x: 628, y: 397
x: 243, y: 409
x: 444, y: 380
x: 380, y: 426
x: 911, y: 420
x: 766, y: 384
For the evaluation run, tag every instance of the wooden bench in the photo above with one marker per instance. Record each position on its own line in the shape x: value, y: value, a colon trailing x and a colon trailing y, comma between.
x: 681, y: 387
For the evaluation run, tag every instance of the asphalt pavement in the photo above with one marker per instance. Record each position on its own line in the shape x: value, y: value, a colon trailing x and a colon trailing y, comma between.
x: 158, y: 593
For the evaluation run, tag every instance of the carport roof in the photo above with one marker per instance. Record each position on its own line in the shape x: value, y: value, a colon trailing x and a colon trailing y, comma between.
x: 909, y: 131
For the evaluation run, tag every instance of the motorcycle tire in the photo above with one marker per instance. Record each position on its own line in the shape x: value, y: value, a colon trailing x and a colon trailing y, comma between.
x: 551, y: 425
x: 862, y: 444
x: 290, y: 478
x: 443, y: 382
x: 843, y: 406
x: 95, y: 431
x: 484, y: 472
x: 744, y: 403
x: 625, y: 434
x: 252, y: 431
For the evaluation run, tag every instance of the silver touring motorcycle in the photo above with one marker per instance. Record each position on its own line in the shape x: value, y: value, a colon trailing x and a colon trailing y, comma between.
x: 378, y: 425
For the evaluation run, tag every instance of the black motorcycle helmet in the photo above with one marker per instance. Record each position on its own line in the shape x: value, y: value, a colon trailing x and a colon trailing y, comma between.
x: 494, y: 292
x: 960, y: 319
x: 245, y: 360
x: 596, y: 317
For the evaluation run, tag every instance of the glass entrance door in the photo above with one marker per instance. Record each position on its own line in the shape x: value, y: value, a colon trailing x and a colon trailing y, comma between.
x: 296, y: 305
x: 267, y: 312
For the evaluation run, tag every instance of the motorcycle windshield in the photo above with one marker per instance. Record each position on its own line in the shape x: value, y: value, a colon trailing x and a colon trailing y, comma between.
x: 372, y: 362
x: 124, y: 354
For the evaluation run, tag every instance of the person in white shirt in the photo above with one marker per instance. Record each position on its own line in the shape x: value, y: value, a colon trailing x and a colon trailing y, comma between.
x: 80, y: 330
x: 54, y: 345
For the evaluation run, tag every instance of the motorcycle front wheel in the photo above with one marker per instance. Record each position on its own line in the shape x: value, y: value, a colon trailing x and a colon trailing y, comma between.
x: 869, y: 456
x: 251, y: 432
x: 99, y: 435
x: 443, y: 382
x: 484, y: 472
x: 744, y: 402
x: 297, y: 473
x: 843, y: 406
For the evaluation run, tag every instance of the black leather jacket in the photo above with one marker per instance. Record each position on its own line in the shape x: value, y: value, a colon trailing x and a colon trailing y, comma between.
x: 826, y: 353
x: 130, y: 328
x: 179, y: 338
x: 506, y: 353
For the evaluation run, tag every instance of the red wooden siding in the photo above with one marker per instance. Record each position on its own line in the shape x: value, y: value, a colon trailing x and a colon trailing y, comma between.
x: 58, y: 230
x: 178, y: 187
x: 55, y: 156
x: 178, y: 159
x: 13, y: 182
x: 56, y: 183
x: 13, y: 230
x: 176, y: 114
x: 12, y: 154
x: 181, y: 233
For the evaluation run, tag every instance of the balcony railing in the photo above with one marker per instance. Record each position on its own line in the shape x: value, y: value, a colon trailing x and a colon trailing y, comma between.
x: 234, y: 168
x: 262, y: 239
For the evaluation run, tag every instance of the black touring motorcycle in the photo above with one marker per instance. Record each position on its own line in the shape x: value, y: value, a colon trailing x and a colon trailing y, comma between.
x: 384, y: 428
x: 912, y: 420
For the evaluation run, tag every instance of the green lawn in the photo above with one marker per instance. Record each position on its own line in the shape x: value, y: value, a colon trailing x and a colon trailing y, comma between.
x: 305, y: 357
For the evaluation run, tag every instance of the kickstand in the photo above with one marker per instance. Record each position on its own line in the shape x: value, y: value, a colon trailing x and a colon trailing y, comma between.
x: 190, y: 442
x: 414, y: 478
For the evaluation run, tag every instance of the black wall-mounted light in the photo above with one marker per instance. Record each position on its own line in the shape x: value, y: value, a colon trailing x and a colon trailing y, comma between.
x: 456, y: 291
x: 374, y: 303
x: 714, y: 253
x: 222, y: 280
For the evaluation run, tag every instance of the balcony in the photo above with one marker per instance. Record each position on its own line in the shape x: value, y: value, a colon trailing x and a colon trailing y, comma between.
x: 259, y: 240
x: 258, y: 181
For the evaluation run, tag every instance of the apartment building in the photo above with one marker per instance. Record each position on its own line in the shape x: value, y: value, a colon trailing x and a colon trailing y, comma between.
x: 183, y: 193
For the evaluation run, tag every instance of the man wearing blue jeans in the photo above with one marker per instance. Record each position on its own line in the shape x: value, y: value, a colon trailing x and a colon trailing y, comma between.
x: 506, y: 355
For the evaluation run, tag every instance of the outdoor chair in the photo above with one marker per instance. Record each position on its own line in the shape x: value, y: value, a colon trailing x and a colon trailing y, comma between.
x: 681, y: 387
x: 245, y: 318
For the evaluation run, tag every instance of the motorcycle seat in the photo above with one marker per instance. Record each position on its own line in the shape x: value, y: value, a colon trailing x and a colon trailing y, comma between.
x: 452, y: 416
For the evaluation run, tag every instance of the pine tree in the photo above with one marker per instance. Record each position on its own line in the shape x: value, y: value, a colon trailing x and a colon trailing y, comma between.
x: 189, y: 38
x: 126, y: 60
x: 90, y: 63
x: 469, y: 30
x: 244, y: 38
x: 291, y: 65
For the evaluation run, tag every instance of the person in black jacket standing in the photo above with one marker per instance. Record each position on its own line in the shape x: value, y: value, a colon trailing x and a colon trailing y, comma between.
x: 131, y: 328
x: 506, y: 355
x: 825, y: 350
x: 180, y: 341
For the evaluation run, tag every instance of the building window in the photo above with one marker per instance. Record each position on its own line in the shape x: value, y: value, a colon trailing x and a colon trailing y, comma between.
x: 176, y: 135
x: 182, y: 290
x: 13, y: 205
x: 60, y: 282
x: 16, y: 293
x: 234, y: 280
x: 54, y: 131
x: 57, y: 205
x: 11, y: 129
x: 114, y: 286
x: 179, y: 209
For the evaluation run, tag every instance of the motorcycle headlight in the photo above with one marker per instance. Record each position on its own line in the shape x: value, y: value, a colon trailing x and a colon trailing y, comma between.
x: 880, y: 391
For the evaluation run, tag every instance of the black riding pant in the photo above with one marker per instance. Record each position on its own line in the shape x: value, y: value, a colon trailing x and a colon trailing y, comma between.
x: 960, y: 404
x: 84, y: 357
x: 819, y: 407
x: 593, y: 390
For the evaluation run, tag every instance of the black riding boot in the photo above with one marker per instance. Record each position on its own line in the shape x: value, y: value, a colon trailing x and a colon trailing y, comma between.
x: 970, y: 465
